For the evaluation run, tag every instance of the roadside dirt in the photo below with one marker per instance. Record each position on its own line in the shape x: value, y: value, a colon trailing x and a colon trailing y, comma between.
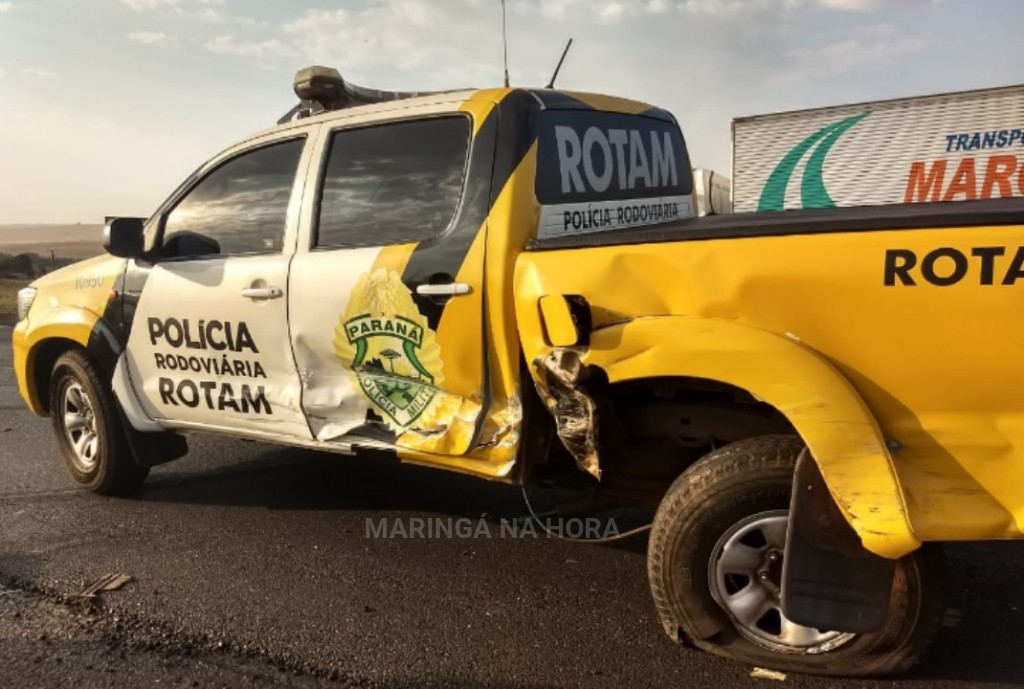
x: 45, y: 643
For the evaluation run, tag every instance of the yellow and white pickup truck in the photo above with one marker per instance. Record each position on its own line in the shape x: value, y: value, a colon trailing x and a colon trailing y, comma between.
x: 509, y: 283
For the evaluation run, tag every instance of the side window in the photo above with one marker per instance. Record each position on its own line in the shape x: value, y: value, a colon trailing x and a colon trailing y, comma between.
x: 239, y: 208
x: 393, y: 183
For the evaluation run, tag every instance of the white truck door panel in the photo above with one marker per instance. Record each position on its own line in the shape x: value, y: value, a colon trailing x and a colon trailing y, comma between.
x: 203, y: 352
x: 379, y: 358
x: 209, y: 345
x: 331, y: 394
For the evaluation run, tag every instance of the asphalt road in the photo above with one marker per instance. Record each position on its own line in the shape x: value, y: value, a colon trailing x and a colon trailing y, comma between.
x: 255, y: 560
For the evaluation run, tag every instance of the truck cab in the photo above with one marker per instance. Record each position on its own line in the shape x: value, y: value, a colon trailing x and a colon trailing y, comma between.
x: 344, y: 279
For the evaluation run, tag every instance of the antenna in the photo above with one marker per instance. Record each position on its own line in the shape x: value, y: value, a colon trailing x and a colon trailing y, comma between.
x: 504, y: 41
x: 551, y: 84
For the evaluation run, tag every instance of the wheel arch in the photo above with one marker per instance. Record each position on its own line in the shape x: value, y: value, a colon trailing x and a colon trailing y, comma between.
x: 38, y: 348
x: 817, y: 400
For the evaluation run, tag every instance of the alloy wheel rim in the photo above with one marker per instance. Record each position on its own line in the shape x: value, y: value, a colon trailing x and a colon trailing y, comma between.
x: 80, y: 427
x: 745, y: 576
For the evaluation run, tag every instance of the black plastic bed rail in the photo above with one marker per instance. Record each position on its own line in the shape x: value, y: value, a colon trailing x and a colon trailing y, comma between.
x: 906, y: 216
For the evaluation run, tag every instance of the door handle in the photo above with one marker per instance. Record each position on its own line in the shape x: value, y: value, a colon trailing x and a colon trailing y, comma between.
x: 450, y: 289
x: 262, y: 292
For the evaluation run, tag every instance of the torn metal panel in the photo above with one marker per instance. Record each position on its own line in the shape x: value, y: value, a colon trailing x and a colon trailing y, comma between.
x: 445, y: 423
x: 446, y: 426
x: 502, y: 426
x: 372, y: 366
x: 560, y: 373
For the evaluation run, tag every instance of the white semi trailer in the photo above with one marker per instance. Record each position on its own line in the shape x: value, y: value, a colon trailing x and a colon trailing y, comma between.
x: 948, y: 147
x: 712, y: 192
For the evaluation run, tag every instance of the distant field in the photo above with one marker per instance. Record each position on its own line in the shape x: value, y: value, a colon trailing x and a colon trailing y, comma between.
x: 65, y: 241
x: 9, y: 299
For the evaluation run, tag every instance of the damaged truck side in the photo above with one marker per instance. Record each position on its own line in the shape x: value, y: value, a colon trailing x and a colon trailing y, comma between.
x: 509, y: 283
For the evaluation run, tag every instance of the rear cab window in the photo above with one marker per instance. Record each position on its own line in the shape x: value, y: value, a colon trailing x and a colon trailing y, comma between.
x: 602, y: 171
x: 392, y: 183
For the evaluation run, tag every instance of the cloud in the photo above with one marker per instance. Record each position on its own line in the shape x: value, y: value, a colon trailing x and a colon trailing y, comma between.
x: 420, y: 45
x: 604, y: 11
x: 141, y: 5
x: 198, y: 11
x: 733, y: 8
x: 205, y: 15
x: 29, y: 73
x: 854, y: 5
x: 227, y: 44
x: 36, y: 73
x: 423, y: 46
x: 864, y: 48
x: 156, y: 38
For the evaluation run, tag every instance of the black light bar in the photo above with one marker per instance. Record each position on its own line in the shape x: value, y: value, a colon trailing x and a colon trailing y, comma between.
x: 321, y: 89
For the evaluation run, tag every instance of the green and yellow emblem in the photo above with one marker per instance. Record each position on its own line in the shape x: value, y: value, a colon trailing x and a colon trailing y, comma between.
x: 386, y: 344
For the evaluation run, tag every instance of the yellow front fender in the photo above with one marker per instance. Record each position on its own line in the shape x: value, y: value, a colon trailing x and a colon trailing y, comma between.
x: 68, y: 323
x: 818, y: 401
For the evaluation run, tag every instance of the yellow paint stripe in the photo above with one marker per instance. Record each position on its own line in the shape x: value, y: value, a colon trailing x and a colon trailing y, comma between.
x: 610, y: 103
x: 394, y: 257
x: 480, y: 106
x: 482, y: 468
x: 513, y: 222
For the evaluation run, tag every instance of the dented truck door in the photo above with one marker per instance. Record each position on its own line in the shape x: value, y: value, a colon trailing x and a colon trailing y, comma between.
x: 386, y: 299
x: 209, y: 346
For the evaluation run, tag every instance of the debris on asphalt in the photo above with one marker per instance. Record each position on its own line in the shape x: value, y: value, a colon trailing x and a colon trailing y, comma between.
x: 764, y: 673
x: 110, y: 582
x: 4, y: 591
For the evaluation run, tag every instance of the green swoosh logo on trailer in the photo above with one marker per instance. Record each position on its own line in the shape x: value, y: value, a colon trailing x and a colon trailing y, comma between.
x: 812, y: 190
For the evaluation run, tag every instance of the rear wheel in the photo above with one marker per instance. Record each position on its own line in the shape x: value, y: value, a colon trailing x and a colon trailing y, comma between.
x: 715, y: 566
x: 85, y: 420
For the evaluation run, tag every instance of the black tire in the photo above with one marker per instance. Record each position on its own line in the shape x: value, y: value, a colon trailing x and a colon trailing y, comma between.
x: 108, y: 467
x: 730, y: 485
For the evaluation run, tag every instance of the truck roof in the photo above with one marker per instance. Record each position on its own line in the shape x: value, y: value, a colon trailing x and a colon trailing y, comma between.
x: 546, y: 99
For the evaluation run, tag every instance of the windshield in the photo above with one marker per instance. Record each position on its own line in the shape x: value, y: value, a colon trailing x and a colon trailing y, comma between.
x: 174, y: 195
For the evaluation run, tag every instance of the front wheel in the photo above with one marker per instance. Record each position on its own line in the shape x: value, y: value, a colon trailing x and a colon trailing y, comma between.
x: 85, y: 420
x: 715, y: 567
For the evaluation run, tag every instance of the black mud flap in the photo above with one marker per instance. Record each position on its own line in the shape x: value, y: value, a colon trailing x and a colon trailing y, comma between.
x: 152, y: 449
x: 829, y: 581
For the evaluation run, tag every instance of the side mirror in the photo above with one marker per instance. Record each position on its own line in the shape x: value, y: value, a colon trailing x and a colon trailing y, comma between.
x: 123, y: 237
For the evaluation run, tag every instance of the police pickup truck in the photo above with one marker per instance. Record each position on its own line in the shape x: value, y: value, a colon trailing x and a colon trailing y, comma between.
x: 508, y: 283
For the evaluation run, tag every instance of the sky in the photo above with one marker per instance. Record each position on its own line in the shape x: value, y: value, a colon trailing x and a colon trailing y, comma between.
x: 106, y: 105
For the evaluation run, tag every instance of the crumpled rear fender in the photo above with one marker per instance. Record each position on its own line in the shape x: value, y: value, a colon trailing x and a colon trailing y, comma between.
x: 818, y: 401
